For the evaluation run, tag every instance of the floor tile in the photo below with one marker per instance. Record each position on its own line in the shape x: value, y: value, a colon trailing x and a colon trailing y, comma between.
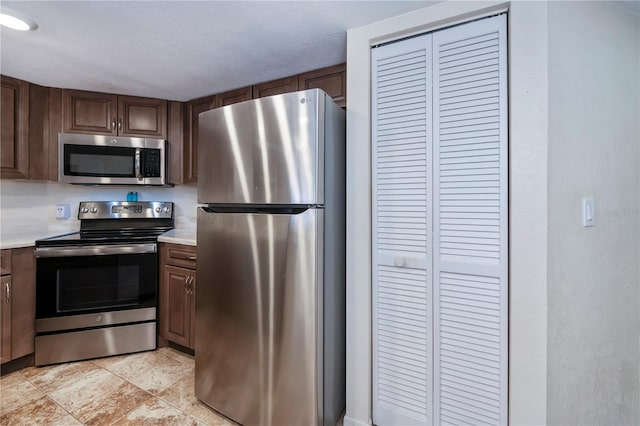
x: 181, y: 395
x: 111, y: 406
x: 160, y: 378
x: 130, y: 366
x: 86, y: 389
x: 157, y: 412
x: 41, y: 411
x: 16, y: 393
x: 122, y: 389
x: 11, y: 380
x: 51, y: 378
x: 177, y: 355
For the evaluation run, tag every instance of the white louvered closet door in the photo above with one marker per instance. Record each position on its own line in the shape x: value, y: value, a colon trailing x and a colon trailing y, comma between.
x: 440, y: 170
x: 470, y: 223
x: 401, y: 240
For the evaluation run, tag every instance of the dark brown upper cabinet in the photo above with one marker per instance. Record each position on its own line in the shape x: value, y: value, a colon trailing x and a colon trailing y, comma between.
x: 233, y: 96
x: 196, y: 106
x: 25, y: 151
x: 332, y: 80
x: 14, y: 133
x: 276, y: 87
x: 113, y: 115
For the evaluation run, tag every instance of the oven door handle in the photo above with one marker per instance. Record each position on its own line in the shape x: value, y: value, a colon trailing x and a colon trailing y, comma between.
x: 99, y: 250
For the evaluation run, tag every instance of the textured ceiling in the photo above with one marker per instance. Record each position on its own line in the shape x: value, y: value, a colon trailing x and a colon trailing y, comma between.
x: 181, y: 50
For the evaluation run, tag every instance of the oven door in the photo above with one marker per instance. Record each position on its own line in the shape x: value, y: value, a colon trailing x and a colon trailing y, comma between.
x: 77, y: 280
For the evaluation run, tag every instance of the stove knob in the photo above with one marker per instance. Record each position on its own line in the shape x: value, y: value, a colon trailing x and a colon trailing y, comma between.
x: 94, y: 210
x: 158, y: 209
x: 166, y: 209
x: 84, y: 210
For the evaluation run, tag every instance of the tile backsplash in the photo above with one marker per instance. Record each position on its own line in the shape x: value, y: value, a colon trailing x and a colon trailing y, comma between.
x: 28, y: 207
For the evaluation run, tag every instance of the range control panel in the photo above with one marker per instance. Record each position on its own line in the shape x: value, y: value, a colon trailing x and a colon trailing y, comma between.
x: 125, y: 210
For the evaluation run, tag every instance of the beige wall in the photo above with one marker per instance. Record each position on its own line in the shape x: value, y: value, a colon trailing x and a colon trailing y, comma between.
x: 593, y: 273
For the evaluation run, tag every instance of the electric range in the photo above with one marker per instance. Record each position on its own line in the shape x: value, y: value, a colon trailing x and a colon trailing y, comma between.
x: 97, y: 289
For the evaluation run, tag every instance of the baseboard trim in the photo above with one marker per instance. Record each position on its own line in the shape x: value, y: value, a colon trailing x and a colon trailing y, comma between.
x: 350, y: 421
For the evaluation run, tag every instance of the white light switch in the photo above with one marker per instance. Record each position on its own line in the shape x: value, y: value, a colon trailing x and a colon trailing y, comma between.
x: 588, y: 212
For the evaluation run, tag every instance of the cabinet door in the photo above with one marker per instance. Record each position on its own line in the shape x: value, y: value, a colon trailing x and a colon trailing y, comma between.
x: 177, y: 137
x: 142, y: 117
x: 39, y: 127
x: 233, y: 96
x: 332, y: 80
x: 5, y: 319
x: 175, y: 305
x: 196, y: 106
x: 5, y: 262
x: 89, y: 112
x: 14, y: 134
x: 276, y: 87
x: 23, y: 302
x: 192, y: 311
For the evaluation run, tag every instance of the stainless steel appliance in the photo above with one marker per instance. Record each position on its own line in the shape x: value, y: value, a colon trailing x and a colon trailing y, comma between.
x: 97, y: 289
x: 270, y: 300
x: 110, y: 160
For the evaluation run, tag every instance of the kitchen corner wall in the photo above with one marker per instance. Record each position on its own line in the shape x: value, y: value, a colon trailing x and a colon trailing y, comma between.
x: 28, y: 207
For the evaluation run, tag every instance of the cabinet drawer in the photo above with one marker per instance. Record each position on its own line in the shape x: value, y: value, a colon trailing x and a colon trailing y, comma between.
x: 181, y: 255
x: 5, y: 262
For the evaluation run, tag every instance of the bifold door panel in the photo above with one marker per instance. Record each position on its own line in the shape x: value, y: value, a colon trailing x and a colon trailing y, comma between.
x: 439, y: 171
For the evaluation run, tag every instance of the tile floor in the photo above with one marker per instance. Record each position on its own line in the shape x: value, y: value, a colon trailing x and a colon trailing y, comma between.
x: 148, y: 388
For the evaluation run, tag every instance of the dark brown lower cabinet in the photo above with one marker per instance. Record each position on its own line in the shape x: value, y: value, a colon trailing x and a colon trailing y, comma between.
x: 18, y: 304
x: 177, y: 290
x: 5, y: 317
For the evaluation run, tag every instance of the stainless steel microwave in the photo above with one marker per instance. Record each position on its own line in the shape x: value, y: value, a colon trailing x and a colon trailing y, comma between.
x: 109, y: 160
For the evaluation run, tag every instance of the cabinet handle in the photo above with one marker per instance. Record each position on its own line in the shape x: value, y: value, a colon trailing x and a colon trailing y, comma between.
x: 191, y: 280
x: 7, y: 288
x: 113, y: 124
x: 119, y: 123
x: 192, y: 257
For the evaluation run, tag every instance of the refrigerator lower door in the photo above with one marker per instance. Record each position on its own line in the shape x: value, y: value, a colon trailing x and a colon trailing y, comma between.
x: 258, y: 316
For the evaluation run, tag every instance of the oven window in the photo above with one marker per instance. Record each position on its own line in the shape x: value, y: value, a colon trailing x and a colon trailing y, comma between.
x: 88, y: 284
x: 84, y: 160
x: 109, y: 287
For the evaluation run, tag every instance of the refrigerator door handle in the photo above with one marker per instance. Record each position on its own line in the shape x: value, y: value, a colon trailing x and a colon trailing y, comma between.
x: 258, y: 209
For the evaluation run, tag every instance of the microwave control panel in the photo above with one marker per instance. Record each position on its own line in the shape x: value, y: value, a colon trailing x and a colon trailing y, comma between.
x: 151, y: 163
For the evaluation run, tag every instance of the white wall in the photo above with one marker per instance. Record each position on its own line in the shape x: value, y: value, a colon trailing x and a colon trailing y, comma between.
x: 28, y: 207
x: 593, y: 273
x: 528, y: 199
x: 528, y: 145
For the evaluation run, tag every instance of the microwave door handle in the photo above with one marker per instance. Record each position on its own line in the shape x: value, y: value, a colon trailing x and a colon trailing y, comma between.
x: 137, y: 165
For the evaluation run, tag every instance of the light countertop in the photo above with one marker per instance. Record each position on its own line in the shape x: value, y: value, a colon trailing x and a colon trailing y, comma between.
x: 21, y: 240
x: 185, y: 236
x: 177, y: 236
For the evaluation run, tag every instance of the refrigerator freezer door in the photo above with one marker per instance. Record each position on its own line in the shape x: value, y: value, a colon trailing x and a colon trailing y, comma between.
x: 263, y: 151
x: 259, y: 316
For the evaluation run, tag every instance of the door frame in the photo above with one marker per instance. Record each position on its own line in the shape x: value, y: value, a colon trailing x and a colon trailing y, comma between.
x: 528, y: 143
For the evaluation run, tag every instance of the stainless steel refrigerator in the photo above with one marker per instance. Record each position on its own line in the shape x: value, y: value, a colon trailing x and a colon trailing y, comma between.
x: 270, y: 296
